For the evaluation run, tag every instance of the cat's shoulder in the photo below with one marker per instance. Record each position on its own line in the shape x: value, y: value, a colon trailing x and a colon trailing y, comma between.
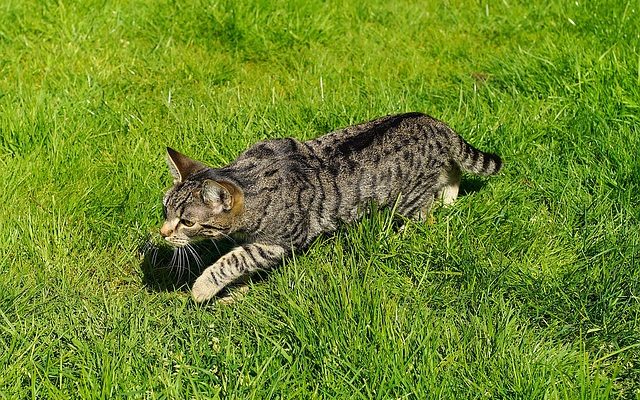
x: 273, y: 149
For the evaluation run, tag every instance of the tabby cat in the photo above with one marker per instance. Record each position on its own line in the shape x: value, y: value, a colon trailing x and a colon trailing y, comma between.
x: 279, y: 195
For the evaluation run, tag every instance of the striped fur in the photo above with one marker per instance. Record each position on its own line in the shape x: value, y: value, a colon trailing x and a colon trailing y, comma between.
x: 281, y: 194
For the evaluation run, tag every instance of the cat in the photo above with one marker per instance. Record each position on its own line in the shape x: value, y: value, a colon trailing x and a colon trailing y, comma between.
x: 281, y: 194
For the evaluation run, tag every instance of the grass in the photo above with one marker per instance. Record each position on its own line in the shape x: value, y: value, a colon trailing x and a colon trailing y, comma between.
x: 528, y: 287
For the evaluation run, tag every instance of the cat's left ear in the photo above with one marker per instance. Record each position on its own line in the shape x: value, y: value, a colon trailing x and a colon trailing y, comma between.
x: 220, y: 196
x: 181, y: 166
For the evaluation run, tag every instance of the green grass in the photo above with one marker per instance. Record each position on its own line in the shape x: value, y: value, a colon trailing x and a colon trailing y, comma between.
x: 528, y: 287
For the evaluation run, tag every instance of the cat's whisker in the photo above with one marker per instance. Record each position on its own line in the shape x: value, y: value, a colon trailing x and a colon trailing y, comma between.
x: 172, y: 263
x: 196, y: 257
x: 201, y: 261
x: 186, y: 262
x: 215, y: 245
x: 186, y: 267
x: 154, y: 257
x: 148, y: 249
x: 144, y: 249
x: 181, y: 263
x: 230, y: 238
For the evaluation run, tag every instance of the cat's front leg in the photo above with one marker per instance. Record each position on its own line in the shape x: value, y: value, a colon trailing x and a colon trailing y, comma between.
x: 231, y: 266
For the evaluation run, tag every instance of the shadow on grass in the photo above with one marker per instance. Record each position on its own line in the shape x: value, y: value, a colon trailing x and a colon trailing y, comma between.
x: 168, y: 269
x: 471, y: 184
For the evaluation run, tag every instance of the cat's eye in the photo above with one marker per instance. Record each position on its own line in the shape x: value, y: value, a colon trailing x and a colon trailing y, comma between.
x: 187, y: 223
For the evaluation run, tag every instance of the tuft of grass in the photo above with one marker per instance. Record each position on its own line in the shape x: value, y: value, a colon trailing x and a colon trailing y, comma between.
x: 526, y: 288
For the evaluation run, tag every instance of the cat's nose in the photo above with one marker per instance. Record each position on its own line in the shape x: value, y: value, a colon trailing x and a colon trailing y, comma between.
x: 166, y: 229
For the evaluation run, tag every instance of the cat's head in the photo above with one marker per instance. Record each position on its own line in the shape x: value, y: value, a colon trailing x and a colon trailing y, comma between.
x: 197, y: 207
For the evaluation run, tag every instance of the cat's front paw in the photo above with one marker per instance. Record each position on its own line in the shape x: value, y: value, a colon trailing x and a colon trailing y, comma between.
x: 203, y: 289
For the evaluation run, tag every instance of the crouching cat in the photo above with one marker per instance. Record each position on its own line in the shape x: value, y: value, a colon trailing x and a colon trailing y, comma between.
x: 279, y: 195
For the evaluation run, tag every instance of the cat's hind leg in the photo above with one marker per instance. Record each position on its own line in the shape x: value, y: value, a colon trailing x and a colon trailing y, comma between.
x: 231, y: 266
x: 424, y: 214
x: 450, y: 180
x: 448, y: 185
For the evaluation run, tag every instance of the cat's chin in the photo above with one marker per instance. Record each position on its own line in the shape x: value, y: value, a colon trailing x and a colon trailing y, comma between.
x: 177, y: 243
x: 184, y: 242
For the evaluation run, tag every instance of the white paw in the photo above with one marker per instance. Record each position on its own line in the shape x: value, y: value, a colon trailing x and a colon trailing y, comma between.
x: 203, y: 289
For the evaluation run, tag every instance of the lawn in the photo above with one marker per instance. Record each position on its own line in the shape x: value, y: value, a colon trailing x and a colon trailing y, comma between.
x: 527, y: 287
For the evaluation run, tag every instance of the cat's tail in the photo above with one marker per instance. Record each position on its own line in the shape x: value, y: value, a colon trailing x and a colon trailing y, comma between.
x: 473, y: 160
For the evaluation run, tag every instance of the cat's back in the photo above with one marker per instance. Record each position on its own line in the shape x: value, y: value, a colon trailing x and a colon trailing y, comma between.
x: 391, y: 130
x: 273, y: 149
x: 389, y: 133
x: 274, y: 161
x: 348, y: 150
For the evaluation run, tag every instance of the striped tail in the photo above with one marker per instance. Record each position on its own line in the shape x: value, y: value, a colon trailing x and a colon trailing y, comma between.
x: 473, y: 160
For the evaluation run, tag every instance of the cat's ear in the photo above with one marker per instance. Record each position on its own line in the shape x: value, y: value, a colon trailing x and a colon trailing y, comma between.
x: 218, y: 195
x: 181, y: 166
